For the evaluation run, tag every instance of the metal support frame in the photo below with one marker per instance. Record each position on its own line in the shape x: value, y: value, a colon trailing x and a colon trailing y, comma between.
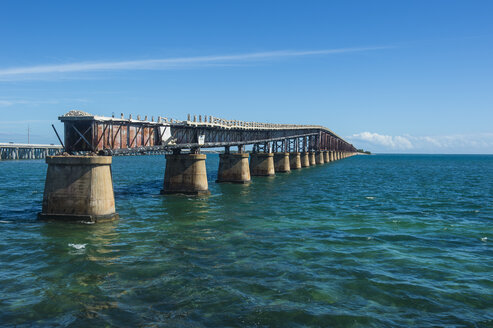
x: 139, y: 137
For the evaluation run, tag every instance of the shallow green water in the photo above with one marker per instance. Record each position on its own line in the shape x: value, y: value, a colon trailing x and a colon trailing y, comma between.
x: 383, y: 241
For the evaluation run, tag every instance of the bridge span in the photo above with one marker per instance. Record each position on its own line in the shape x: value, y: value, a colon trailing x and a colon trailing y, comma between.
x: 79, y: 185
x: 12, y: 151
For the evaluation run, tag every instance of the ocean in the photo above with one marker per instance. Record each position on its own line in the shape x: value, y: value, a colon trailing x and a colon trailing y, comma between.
x: 367, y: 241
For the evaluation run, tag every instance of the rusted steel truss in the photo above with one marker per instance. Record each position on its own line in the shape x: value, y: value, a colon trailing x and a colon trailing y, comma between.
x: 119, y: 136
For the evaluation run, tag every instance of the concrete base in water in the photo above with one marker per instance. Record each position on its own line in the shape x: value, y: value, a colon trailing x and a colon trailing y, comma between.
x: 305, y: 159
x: 319, y: 157
x: 233, y: 168
x: 262, y: 164
x: 78, y: 189
x: 326, y: 156
x: 185, y: 174
x: 312, y: 157
x: 281, y: 162
x: 294, y: 161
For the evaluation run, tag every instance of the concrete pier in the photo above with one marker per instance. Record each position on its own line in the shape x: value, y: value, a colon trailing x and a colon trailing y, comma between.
x: 311, y: 156
x: 326, y: 156
x: 319, y: 157
x: 295, y: 161
x: 281, y: 162
x: 305, y: 159
x: 233, y: 168
x: 185, y: 174
x: 78, y: 189
x: 262, y: 164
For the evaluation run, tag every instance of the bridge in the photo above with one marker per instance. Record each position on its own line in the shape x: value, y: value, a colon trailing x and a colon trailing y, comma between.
x: 79, y: 185
x: 12, y: 151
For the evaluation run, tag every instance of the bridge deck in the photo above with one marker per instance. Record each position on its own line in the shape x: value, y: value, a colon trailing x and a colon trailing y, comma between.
x: 110, y: 135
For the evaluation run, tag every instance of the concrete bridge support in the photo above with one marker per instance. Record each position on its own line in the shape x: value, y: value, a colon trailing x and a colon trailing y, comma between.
x: 185, y: 174
x: 281, y: 162
x: 326, y: 156
x: 262, y: 164
x: 319, y: 157
x: 295, y: 161
x: 332, y: 155
x: 78, y: 189
x: 305, y: 159
x: 233, y: 168
x: 312, y: 158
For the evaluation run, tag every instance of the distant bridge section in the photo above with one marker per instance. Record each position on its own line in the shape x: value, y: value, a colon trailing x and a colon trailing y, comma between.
x: 112, y: 136
x: 11, y: 151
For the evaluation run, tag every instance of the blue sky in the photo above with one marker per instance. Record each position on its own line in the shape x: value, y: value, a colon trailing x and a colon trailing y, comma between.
x: 390, y: 76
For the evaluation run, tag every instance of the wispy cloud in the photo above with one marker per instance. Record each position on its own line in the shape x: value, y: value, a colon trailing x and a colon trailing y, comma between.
x: 165, y: 63
x: 7, y: 103
x: 479, y: 142
x: 14, y: 102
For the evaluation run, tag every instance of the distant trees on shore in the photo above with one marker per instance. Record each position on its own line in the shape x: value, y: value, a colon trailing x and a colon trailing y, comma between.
x: 364, y: 151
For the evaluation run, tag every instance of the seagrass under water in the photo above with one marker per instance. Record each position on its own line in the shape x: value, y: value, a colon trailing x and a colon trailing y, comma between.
x: 384, y: 240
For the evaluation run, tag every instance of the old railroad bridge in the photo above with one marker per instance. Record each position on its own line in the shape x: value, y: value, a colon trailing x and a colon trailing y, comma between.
x: 79, y: 185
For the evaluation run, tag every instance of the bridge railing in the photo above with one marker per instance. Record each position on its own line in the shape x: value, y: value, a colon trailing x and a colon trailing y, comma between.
x: 212, y: 121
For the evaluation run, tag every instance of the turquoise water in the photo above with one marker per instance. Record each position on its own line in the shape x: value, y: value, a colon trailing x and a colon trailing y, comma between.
x: 382, y: 241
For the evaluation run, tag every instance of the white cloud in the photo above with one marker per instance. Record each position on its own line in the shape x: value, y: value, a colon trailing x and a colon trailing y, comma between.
x: 392, y: 142
x: 459, y: 143
x: 165, y: 63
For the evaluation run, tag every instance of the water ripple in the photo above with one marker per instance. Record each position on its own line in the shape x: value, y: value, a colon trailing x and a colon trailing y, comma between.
x: 382, y: 241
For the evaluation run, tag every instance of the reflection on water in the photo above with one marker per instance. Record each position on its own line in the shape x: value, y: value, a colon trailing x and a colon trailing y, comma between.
x: 182, y: 207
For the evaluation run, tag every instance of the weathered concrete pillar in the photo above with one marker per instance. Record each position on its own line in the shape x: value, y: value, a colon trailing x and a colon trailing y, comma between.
x: 185, y: 174
x: 234, y: 168
x: 305, y: 159
x: 295, y: 161
x: 319, y: 157
x: 311, y: 156
x: 78, y: 189
x: 262, y: 164
x: 281, y: 162
x: 326, y: 156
